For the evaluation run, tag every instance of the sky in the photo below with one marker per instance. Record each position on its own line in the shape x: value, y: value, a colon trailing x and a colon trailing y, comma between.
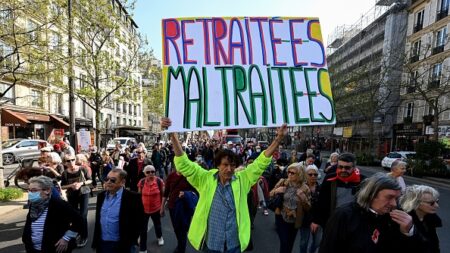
x: 331, y: 13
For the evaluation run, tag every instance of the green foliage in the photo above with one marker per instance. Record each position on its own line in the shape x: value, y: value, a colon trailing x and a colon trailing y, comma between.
x: 8, y: 194
x: 427, y: 161
x: 365, y: 159
x: 429, y: 150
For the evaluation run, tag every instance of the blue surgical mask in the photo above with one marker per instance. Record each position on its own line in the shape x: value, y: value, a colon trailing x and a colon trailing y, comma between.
x: 34, y: 196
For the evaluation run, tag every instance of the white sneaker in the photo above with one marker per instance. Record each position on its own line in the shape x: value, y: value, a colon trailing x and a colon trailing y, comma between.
x: 160, y: 241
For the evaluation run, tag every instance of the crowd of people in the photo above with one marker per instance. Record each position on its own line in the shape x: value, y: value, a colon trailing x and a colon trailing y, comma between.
x: 213, y: 192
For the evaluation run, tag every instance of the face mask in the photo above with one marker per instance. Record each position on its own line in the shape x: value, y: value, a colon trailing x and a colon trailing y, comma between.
x: 34, y: 196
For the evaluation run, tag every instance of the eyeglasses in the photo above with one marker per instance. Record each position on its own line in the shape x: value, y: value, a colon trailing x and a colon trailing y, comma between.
x: 138, y: 152
x: 70, y: 160
x: 34, y: 190
x: 313, y: 174
x: 431, y: 203
x: 150, y: 172
x: 345, y: 167
x: 111, y: 179
x: 291, y: 173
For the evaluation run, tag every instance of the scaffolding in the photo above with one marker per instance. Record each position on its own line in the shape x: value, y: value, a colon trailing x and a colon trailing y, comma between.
x: 342, y: 34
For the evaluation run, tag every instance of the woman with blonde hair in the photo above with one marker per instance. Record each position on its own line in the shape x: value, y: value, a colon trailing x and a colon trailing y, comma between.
x: 422, y: 202
x: 296, y: 201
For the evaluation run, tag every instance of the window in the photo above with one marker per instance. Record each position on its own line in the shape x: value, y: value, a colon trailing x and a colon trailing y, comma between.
x: 130, y: 109
x: 139, y: 110
x: 110, y: 117
x: 418, y: 20
x: 124, y: 121
x: 118, y: 120
x: 55, y: 41
x: 9, y: 94
x: 409, y: 110
x: 118, y: 106
x: 441, y: 37
x: 416, y: 48
x: 134, y: 110
x: 413, y: 82
x: 59, y: 103
x: 32, y: 30
x: 124, y: 106
x: 37, y: 98
x: 437, y: 70
x: 139, y: 123
x: 6, y: 53
x: 135, y: 122
x: 442, y: 9
x: 129, y: 122
x: 430, y: 108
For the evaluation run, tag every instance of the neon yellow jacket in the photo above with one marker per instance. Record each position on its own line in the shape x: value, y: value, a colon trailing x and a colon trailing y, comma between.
x: 206, y: 184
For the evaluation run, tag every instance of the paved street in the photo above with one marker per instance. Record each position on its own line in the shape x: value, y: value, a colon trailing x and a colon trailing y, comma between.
x: 265, y: 237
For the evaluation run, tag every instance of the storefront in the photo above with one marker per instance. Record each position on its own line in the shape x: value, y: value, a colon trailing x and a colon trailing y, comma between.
x: 406, y: 136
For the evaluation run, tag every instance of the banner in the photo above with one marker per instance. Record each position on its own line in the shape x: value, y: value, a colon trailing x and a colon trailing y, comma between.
x: 245, y: 72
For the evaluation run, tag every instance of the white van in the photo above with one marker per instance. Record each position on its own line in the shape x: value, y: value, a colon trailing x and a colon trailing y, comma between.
x: 125, y: 142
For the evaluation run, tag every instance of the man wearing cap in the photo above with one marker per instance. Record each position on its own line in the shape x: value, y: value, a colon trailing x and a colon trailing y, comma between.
x: 221, y: 222
x: 66, y: 149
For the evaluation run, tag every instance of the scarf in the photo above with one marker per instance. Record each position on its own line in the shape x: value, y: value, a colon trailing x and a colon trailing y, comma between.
x: 38, y: 207
x: 355, y: 177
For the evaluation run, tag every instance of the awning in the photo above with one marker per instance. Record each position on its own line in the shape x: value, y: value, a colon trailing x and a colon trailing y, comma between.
x: 11, y: 118
x: 59, y: 121
x: 35, y: 117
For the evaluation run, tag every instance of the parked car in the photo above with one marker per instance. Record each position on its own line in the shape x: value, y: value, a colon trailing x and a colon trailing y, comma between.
x: 397, y: 155
x: 125, y: 142
x: 24, y: 148
x: 235, y: 139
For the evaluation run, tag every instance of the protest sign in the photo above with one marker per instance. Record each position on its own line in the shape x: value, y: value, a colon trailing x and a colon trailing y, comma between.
x: 245, y: 72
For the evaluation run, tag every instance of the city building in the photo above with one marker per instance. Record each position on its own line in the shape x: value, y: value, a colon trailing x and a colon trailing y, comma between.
x: 364, y: 62
x: 425, y: 95
x: 35, y: 106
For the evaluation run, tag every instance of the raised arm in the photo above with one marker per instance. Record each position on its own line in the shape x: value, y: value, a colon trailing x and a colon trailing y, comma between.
x: 165, y: 123
x: 281, y: 132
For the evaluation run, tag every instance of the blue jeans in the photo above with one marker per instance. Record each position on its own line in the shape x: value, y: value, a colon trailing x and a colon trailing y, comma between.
x: 286, y: 233
x: 309, y: 242
x: 113, y: 247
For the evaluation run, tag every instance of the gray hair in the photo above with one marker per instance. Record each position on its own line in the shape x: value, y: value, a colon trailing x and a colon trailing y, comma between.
x: 43, y: 181
x: 335, y: 154
x: 397, y: 163
x: 371, y: 186
x: 413, y: 196
x: 122, y: 173
x: 55, y: 157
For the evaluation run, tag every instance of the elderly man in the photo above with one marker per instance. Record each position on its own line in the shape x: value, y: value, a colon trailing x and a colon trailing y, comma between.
x: 221, y: 220
x: 119, y: 216
x: 398, y: 169
x: 336, y: 190
x: 372, y: 223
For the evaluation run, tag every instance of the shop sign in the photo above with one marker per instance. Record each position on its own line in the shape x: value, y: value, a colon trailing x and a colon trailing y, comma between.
x: 348, y: 132
x: 338, y: 131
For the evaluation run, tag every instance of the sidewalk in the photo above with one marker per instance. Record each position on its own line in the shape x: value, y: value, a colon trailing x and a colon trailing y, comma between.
x: 13, y: 205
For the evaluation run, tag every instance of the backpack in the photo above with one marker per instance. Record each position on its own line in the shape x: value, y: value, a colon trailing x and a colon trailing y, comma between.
x: 158, y: 182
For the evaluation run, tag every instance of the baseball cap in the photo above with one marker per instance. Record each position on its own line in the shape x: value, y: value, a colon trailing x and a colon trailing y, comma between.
x: 46, y: 149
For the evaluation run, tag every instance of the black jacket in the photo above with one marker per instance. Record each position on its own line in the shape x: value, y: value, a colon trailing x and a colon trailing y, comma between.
x: 351, y: 229
x: 133, y: 175
x: 60, y: 218
x: 131, y: 218
x: 426, y: 231
x: 326, y: 201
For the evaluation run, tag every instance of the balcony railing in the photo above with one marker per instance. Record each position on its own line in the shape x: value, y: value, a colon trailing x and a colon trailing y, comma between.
x: 438, y: 49
x: 418, y: 27
x: 407, y: 120
x: 410, y: 89
x: 441, y: 14
x: 414, y: 58
x: 434, y: 84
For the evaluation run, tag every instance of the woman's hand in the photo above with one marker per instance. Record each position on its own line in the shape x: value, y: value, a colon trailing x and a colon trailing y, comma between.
x: 61, y: 246
x: 280, y: 189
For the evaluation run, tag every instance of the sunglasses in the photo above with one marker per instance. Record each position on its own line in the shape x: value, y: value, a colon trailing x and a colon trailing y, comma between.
x: 111, y: 179
x: 313, y: 174
x: 150, y: 172
x: 138, y: 152
x: 291, y: 173
x: 345, y: 167
x: 431, y: 203
x: 70, y: 160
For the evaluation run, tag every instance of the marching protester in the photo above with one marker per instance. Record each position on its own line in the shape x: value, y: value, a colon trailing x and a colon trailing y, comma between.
x: 422, y: 203
x: 52, y: 224
x: 157, y: 160
x: 119, y: 216
x: 295, y: 195
x: 398, y: 169
x: 95, y: 160
x: 75, y: 179
x: 223, y: 196
x: 135, y: 169
x: 181, y: 200
x: 107, y: 165
x: 151, y: 189
x: 309, y: 242
x: 330, y: 166
x: 372, y: 223
x: 336, y: 190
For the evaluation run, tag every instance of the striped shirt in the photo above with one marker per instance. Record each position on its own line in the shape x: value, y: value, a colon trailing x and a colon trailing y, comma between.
x: 37, y: 230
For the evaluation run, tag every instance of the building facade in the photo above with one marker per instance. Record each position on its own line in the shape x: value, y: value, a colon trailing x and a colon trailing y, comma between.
x: 425, y: 94
x: 33, y: 107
